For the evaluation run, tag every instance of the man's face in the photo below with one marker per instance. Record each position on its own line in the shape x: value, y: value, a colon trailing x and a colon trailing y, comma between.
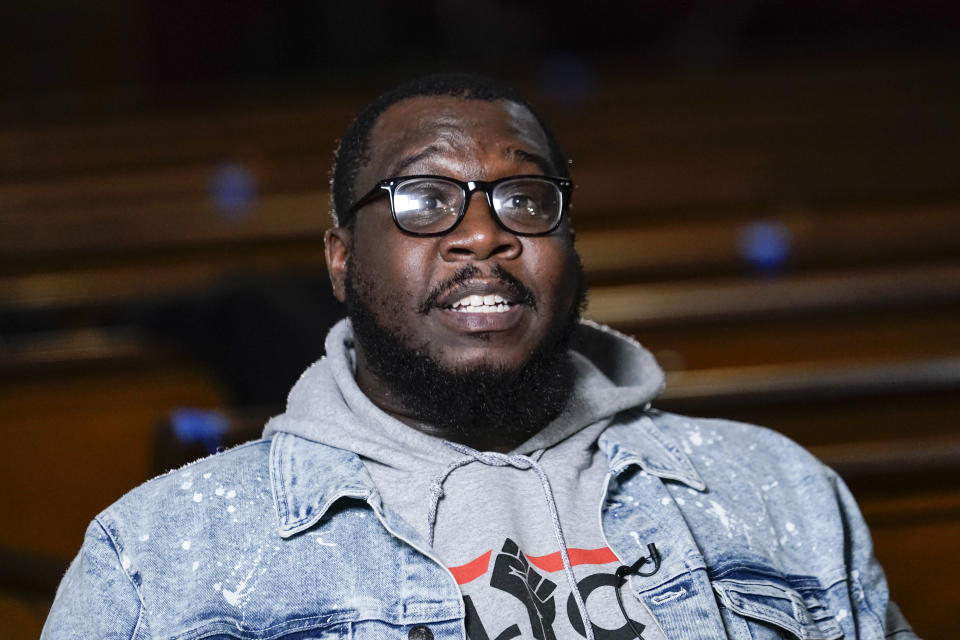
x: 410, y: 284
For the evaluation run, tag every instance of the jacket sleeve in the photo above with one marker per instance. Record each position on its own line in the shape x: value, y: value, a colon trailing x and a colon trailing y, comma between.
x: 96, y: 598
x: 869, y: 594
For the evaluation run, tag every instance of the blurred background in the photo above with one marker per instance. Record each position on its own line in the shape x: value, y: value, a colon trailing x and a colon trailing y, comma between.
x: 767, y: 198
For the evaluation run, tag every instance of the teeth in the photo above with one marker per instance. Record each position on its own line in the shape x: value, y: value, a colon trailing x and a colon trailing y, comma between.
x: 496, y: 308
x: 492, y: 303
x: 482, y: 303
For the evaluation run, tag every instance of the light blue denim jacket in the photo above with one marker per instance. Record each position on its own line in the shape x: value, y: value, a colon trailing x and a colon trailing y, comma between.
x: 758, y: 540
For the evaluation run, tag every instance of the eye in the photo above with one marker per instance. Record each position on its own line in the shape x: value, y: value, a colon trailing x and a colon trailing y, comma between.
x: 427, y: 205
x: 424, y: 197
x: 420, y: 200
x: 522, y: 204
x: 527, y: 205
x: 428, y: 201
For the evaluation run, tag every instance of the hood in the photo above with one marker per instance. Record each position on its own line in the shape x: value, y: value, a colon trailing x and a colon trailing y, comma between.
x: 613, y: 373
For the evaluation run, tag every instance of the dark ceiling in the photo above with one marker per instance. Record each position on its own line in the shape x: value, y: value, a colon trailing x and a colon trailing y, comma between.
x: 159, y: 48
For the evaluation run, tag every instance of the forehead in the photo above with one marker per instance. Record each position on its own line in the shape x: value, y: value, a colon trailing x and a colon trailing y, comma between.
x: 450, y: 127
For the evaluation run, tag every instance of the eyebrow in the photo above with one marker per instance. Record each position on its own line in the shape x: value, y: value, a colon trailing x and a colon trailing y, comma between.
x: 525, y: 156
x: 409, y: 160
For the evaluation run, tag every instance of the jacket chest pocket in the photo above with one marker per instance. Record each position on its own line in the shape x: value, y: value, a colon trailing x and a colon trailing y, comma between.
x: 770, y: 609
x: 222, y: 630
x: 357, y: 630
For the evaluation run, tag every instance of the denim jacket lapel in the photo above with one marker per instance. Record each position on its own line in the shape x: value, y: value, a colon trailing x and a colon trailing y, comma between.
x: 641, y: 442
x: 307, y: 478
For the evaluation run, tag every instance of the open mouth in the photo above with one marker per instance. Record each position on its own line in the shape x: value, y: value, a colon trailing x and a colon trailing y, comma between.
x: 469, y: 294
x: 482, y: 306
x: 491, y: 303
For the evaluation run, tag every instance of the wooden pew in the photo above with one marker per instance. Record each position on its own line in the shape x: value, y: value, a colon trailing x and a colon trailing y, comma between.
x: 849, y: 346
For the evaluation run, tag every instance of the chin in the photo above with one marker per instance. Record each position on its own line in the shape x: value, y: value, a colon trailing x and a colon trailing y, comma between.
x: 480, y: 359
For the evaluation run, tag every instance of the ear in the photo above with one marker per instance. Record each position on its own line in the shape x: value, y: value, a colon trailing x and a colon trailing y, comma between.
x: 337, y: 244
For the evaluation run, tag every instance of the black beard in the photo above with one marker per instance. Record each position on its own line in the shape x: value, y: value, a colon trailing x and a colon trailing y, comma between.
x: 486, y: 406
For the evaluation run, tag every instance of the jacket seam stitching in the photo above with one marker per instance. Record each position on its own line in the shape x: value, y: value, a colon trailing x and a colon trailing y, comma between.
x: 276, y: 464
x: 898, y: 633
x: 206, y: 458
x: 853, y: 581
x: 117, y: 549
x: 877, y: 620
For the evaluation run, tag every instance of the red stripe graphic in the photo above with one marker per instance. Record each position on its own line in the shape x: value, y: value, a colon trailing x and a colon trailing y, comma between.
x: 472, y: 570
x: 553, y: 561
x: 550, y: 562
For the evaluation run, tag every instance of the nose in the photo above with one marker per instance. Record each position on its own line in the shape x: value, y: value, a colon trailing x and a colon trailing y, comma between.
x: 479, y: 236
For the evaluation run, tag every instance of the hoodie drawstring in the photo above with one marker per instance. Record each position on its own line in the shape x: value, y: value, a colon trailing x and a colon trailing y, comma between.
x: 436, y: 492
x: 522, y: 462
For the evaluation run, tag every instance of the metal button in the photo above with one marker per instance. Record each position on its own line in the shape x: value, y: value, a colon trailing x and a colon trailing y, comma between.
x: 420, y: 632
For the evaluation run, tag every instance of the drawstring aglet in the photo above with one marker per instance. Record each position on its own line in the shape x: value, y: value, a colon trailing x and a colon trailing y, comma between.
x: 623, y: 571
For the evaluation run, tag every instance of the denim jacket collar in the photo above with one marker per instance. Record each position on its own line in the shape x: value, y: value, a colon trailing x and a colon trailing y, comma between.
x: 649, y: 448
x: 308, y: 478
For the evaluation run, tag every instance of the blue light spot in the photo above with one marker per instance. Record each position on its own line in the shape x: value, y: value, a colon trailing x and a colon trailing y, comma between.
x: 233, y: 188
x: 195, y: 425
x: 765, y: 244
x: 568, y: 80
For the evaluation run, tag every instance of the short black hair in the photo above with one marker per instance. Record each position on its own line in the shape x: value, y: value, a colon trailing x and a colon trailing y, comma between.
x: 352, y: 150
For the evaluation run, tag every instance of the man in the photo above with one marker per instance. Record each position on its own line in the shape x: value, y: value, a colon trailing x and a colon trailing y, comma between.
x: 469, y: 459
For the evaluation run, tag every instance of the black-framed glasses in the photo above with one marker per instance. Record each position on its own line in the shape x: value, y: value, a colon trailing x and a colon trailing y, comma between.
x: 422, y: 205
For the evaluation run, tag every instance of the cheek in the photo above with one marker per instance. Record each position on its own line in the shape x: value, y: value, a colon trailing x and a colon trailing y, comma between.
x: 407, y: 272
x: 553, y: 266
x: 394, y: 270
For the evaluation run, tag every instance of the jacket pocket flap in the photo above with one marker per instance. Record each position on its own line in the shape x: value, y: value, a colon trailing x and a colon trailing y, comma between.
x: 778, y: 604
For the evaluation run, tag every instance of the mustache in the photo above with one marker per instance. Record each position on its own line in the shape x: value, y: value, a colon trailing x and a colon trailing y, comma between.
x: 521, y: 294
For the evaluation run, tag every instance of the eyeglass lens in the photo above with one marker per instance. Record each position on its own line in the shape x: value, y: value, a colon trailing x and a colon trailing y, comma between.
x: 430, y: 205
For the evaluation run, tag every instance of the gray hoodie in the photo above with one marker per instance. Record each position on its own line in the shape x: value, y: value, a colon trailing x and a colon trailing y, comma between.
x: 495, y: 527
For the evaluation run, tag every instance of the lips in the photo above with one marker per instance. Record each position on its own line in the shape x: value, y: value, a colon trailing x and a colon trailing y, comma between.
x: 475, y: 305
x: 479, y: 296
x: 470, y: 291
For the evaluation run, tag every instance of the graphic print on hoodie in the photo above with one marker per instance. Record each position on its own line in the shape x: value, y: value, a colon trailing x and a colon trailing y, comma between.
x: 494, y: 529
x: 502, y: 550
